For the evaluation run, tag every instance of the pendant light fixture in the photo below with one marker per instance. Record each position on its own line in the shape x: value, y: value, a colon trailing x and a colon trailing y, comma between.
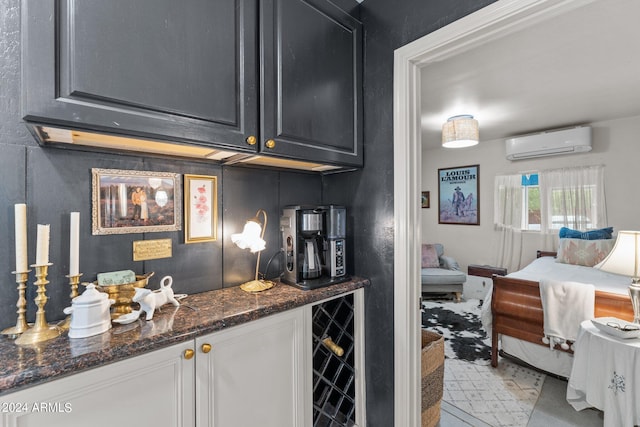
x: 460, y: 131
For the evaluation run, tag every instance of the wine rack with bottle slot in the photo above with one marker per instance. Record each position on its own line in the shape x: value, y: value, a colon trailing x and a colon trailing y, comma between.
x: 334, y: 400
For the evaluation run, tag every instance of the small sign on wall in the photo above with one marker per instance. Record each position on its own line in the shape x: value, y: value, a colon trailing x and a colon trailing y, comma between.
x: 144, y: 250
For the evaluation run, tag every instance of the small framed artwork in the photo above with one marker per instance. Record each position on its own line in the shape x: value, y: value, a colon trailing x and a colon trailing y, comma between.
x: 201, y: 208
x: 426, y: 202
x: 129, y: 201
x: 458, y: 195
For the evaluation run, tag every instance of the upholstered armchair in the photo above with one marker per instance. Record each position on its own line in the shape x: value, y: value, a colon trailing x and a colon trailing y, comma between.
x: 440, y: 273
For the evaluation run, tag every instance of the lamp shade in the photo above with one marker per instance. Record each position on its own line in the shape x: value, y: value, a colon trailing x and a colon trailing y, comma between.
x: 624, y: 258
x: 250, y: 238
x: 460, y: 131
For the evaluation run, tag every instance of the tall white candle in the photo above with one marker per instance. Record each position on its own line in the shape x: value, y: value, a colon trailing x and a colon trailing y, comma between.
x: 74, y: 244
x: 42, y: 246
x: 21, y: 237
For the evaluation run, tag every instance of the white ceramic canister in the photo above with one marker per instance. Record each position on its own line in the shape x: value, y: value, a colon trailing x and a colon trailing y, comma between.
x: 89, y: 313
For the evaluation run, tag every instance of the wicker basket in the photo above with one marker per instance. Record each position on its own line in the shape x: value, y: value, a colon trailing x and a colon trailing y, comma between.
x: 432, y: 377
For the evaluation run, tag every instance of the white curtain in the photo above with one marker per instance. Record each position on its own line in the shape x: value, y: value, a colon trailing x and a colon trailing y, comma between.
x: 571, y: 197
x: 507, y: 219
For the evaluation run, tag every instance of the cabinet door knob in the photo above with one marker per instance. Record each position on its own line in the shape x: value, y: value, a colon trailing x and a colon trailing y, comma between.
x: 251, y: 140
x: 189, y: 353
x: 270, y: 143
x: 206, y: 348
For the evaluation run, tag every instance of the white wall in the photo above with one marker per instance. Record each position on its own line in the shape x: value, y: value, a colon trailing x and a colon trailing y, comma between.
x: 616, y: 144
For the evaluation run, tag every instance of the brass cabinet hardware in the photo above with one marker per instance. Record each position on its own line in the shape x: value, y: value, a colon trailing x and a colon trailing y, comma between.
x: 189, y: 353
x: 335, y: 348
x: 206, y: 348
x: 270, y: 143
x: 251, y: 140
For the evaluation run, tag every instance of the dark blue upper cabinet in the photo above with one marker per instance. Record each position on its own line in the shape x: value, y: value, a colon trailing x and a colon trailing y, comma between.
x: 311, y: 77
x: 182, y: 71
x: 207, y: 73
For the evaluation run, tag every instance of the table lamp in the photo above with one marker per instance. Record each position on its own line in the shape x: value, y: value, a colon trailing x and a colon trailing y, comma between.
x: 624, y: 259
x: 252, y: 238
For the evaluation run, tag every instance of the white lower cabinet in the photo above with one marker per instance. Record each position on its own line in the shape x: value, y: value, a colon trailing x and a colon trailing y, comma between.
x: 156, y: 389
x: 254, y: 374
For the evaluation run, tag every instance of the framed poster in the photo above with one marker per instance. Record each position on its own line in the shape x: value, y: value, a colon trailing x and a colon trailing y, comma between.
x: 201, y: 208
x: 458, y: 195
x: 426, y: 199
x: 130, y: 201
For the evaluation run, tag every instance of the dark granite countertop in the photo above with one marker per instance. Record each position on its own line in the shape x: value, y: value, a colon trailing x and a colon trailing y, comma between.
x: 198, y: 314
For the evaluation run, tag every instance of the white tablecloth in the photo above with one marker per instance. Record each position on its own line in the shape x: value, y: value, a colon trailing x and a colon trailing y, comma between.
x: 606, y: 375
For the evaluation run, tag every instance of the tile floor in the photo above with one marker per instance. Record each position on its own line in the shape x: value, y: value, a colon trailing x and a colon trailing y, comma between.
x: 551, y: 409
x: 502, y: 397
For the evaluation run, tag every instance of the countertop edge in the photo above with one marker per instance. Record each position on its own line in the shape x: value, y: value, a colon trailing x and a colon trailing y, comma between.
x: 14, y: 378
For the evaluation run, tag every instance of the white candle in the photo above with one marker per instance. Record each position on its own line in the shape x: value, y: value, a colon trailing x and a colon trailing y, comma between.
x: 21, y: 237
x: 42, y: 245
x: 74, y: 244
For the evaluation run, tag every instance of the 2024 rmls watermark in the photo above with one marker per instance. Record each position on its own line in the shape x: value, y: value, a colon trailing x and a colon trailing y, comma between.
x: 35, y: 407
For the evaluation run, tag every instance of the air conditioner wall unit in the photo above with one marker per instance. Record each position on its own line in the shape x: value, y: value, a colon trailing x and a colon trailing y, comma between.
x: 549, y: 143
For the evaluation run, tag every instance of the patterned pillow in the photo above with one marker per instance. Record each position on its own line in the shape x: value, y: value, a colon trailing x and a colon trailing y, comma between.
x: 430, y: 257
x: 583, y: 252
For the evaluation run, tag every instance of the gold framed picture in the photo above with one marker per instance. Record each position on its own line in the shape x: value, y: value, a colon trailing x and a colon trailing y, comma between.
x: 129, y: 201
x: 201, y: 208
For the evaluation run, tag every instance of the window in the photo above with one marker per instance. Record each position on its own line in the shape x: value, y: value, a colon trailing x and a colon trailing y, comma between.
x: 559, y: 212
x: 573, y: 197
x: 550, y: 200
x: 532, y: 216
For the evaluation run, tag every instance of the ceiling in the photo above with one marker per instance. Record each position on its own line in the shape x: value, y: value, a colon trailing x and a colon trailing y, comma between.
x: 577, y: 68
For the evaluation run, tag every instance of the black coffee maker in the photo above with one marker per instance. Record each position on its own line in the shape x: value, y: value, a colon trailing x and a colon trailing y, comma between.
x: 313, y: 240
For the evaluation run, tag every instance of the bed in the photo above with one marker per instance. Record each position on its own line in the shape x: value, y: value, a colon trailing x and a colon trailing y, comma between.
x: 513, y: 310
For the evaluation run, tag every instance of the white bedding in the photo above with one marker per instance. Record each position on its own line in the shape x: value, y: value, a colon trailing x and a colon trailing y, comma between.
x: 555, y: 362
x: 547, y: 268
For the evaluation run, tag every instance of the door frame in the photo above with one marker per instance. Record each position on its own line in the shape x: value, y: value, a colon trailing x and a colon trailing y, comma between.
x: 490, y: 22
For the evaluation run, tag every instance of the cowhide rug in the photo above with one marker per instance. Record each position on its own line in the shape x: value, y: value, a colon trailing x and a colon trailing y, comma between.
x: 459, y: 323
x: 501, y: 397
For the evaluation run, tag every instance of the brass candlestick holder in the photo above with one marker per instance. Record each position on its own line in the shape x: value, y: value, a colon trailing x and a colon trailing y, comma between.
x: 74, y: 280
x: 21, y: 323
x: 41, y: 330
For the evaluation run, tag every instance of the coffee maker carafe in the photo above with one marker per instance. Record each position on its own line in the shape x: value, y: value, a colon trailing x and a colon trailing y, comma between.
x: 310, y: 230
x: 313, y: 241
